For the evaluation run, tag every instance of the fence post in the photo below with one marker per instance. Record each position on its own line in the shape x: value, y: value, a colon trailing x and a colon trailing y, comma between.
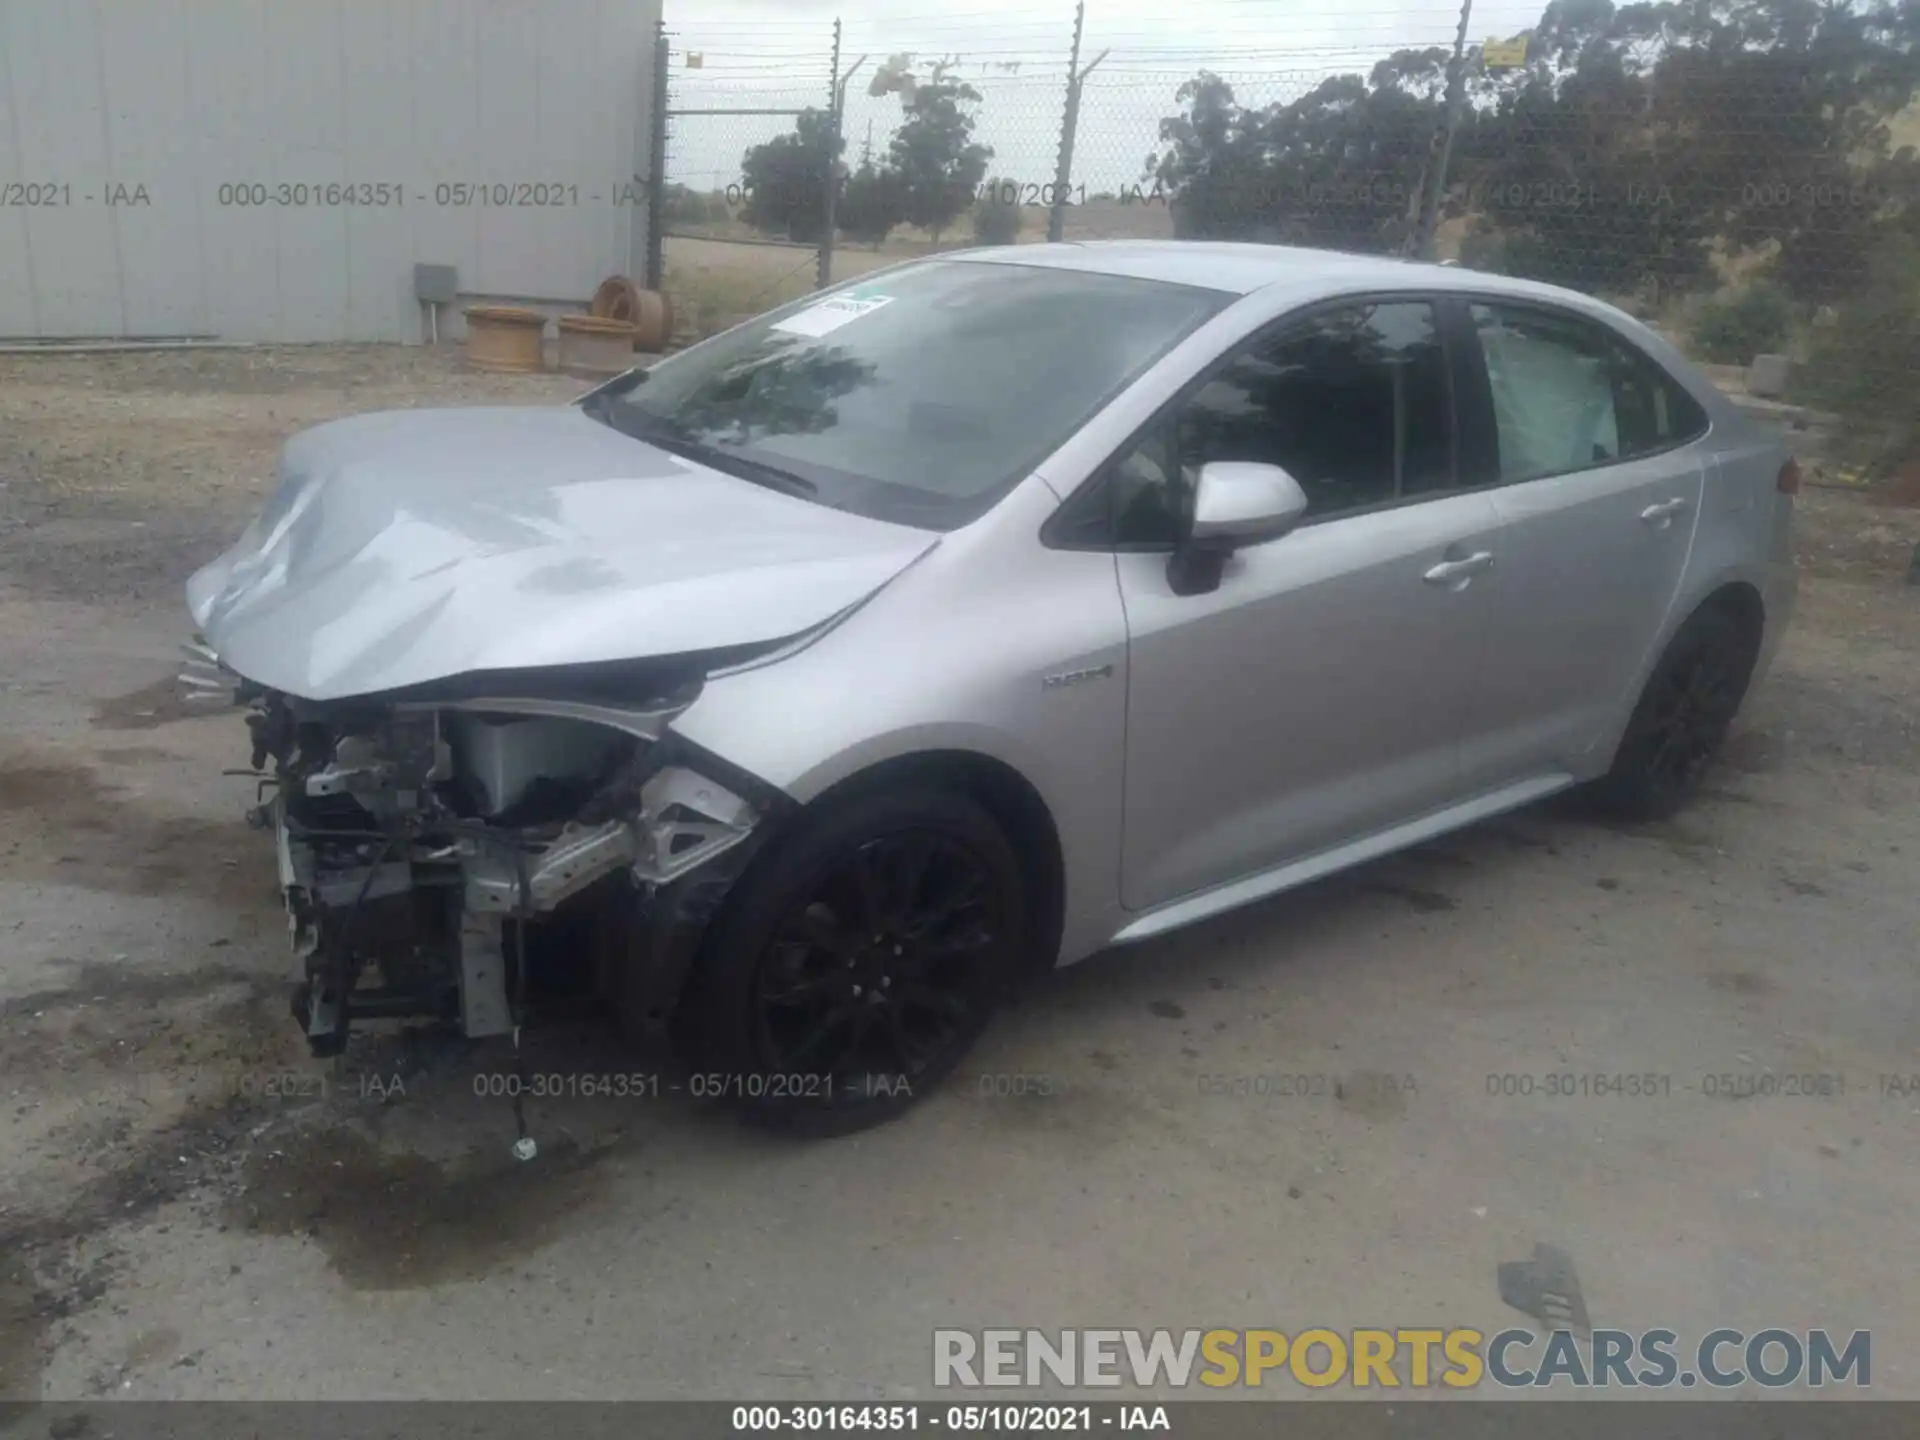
x: 1069, y: 122
x: 824, y: 276
x: 655, y: 276
x: 1420, y: 242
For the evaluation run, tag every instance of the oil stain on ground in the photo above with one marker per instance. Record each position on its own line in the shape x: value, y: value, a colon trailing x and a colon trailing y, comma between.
x: 68, y: 825
x: 31, y: 1305
x: 26, y: 786
x: 1750, y: 752
x: 1424, y: 902
x: 205, y: 1046
x: 147, y: 708
x: 1684, y: 839
x: 1740, y: 982
x: 1373, y: 1094
x: 24, y: 1322
x: 134, y: 755
x: 60, y: 1261
x: 152, y: 1347
x: 399, y: 1221
x: 100, y: 982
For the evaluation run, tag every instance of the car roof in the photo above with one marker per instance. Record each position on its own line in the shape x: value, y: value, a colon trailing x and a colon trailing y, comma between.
x: 1243, y: 269
x: 1238, y: 268
x: 1233, y: 267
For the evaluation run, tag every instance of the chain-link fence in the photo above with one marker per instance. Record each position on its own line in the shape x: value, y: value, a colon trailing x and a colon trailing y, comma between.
x: 730, y: 248
x: 1738, y: 175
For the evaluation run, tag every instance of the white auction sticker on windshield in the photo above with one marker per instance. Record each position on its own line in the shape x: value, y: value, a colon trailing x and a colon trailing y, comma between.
x: 829, y: 315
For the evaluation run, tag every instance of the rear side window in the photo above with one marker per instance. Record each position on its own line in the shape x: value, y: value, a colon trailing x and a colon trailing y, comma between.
x: 1570, y: 395
x: 1655, y: 413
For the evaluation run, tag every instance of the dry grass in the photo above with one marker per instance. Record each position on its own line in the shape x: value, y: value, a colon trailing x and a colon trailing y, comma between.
x: 716, y: 280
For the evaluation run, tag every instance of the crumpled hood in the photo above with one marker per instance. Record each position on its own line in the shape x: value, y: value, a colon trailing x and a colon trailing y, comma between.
x: 409, y: 546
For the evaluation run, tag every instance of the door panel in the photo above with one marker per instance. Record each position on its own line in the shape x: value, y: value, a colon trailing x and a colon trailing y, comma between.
x: 1591, y: 560
x: 1315, y: 696
x: 1587, y: 582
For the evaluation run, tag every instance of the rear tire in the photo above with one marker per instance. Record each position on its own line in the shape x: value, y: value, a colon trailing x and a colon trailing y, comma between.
x: 856, y: 961
x: 1681, y: 719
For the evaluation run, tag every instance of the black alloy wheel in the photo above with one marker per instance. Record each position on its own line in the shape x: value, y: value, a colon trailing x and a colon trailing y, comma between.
x: 858, y: 959
x: 1691, y: 709
x: 872, y: 978
x: 1682, y: 717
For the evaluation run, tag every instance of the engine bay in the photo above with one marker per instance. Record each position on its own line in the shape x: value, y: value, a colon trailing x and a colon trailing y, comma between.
x: 426, y: 846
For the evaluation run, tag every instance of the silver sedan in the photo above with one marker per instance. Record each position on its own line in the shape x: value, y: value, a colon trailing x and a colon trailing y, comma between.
x: 800, y: 692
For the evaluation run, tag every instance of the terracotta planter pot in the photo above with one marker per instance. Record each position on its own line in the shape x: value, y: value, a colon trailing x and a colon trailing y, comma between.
x: 653, y: 323
x: 591, y: 345
x: 505, y: 337
x: 648, y: 311
x: 618, y: 298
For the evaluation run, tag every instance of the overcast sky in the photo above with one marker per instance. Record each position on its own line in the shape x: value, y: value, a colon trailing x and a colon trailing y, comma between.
x: 776, y: 53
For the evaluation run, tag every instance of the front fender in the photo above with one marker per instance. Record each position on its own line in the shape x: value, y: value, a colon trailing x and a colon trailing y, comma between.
x: 1023, y: 663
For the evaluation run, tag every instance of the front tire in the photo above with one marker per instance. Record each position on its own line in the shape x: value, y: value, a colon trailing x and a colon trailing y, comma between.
x: 1681, y: 719
x: 856, y: 961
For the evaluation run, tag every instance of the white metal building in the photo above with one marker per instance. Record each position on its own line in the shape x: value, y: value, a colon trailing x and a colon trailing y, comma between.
x: 273, y: 170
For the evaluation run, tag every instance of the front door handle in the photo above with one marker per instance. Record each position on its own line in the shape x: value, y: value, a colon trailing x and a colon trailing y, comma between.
x: 1661, y: 516
x: 1458, y: 574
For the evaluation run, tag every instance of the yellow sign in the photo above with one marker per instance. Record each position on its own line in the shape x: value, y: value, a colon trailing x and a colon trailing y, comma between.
x: 696, y: 60
x: 1501, y: 54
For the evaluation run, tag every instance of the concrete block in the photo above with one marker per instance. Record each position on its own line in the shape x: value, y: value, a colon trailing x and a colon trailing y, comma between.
x: 1768, y: 375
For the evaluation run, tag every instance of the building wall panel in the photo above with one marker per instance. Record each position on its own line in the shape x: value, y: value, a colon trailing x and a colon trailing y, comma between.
x: 195, y: 140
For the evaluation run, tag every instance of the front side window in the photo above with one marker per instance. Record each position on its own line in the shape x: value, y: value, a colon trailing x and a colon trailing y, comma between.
x: 1568, y: 395
x: 920, y: 396
x: 1354, y: 403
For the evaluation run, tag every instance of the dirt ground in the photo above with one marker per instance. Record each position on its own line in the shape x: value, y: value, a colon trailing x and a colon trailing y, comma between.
x: 189, y: 1207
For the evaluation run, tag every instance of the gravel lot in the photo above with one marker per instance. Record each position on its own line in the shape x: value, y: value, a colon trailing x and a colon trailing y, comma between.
x: 191, y: 1208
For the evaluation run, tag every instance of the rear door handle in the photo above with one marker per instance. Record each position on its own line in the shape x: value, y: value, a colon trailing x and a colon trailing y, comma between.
x: 1458, y: 574
x: 1661, y: 515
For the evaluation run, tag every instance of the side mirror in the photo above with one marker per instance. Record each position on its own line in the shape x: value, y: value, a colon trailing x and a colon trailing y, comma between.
x: 1235, y: 503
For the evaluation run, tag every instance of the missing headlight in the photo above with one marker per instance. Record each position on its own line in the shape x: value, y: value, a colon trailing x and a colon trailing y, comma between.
x: 421, y: 844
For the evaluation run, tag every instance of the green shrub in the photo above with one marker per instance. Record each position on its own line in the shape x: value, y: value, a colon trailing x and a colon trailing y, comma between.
x: 870, y: 205
x: 1863, y: 361
x: 1734, y: 326
x: 996, y: 214
x: 1520, y: 253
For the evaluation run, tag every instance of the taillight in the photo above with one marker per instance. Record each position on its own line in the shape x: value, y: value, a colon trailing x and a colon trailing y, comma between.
x: 1789, y: 481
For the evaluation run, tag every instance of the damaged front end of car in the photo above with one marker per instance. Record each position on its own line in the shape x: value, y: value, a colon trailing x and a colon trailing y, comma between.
x: 426, y: 836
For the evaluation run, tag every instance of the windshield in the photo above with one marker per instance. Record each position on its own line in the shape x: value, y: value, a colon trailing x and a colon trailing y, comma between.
x: 920, y: 396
